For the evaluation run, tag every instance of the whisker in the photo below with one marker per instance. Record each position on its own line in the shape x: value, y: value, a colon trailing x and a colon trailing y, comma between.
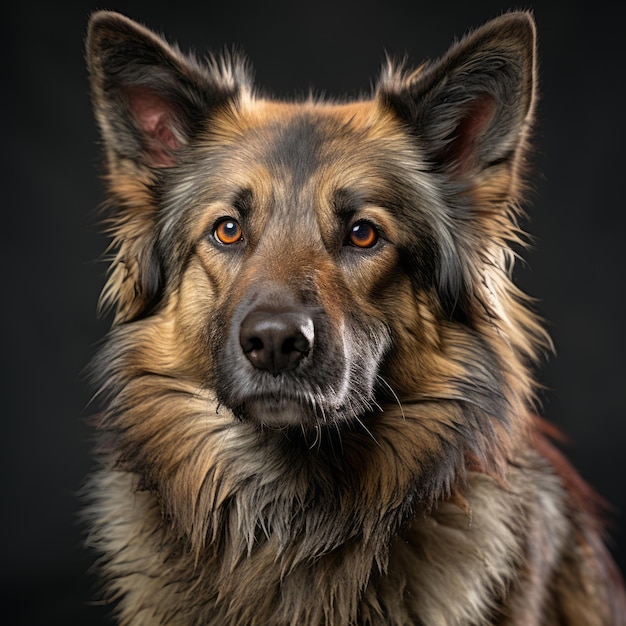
x: 366, y: 429
x: 310, y: 399
x: 339, y: 437
x: 393, y: 393
x: 318, y: 438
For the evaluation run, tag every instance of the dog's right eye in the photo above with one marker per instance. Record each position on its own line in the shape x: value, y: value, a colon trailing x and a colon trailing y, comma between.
x: 228, y: 231
x: 362, y: 234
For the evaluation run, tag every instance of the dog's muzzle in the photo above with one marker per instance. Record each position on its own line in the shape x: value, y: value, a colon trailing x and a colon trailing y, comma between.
x: 285, y: 361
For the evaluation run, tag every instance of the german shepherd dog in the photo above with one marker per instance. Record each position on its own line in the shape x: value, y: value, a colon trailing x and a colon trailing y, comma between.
x: 317, y: 394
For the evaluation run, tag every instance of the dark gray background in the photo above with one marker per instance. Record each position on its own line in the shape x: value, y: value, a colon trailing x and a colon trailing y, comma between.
x: 51, y: 279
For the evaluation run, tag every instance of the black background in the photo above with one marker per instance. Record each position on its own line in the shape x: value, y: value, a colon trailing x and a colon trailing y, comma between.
x: 50, y: 245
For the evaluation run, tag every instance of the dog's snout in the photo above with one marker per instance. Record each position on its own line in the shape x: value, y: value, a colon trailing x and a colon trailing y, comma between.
x: 276, y: 341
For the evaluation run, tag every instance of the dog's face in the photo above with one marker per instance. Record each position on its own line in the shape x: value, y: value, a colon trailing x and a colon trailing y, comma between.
x: 295, y: 250
x: 302, y: 228
x: 312, y: 261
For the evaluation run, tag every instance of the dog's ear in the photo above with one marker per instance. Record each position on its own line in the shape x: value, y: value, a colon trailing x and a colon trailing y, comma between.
x: 151, y: 102
x: 149, y: 99
x: 471, y: 109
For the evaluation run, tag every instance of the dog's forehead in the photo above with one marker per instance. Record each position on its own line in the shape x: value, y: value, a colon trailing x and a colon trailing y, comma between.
x: 300, y: 141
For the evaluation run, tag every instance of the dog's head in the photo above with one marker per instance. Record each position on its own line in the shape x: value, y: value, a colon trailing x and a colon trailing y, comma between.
x: 311, y: 260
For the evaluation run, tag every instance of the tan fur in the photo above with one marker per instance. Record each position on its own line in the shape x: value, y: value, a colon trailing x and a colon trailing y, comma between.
x: 392, y: 474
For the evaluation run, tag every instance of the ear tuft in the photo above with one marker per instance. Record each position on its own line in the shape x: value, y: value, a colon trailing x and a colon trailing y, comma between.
x: 156, y: 120
x: 462, y: 147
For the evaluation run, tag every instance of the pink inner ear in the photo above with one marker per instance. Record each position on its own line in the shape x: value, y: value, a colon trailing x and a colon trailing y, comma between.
x: 154, y: 116
x: 463, y: 151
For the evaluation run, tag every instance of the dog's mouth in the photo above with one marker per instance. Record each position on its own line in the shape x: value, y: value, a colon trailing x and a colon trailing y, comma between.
x: 281, y: 411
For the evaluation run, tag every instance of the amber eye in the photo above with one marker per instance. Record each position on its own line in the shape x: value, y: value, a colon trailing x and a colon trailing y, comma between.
x: 362, y: 235
x: 228, y: 231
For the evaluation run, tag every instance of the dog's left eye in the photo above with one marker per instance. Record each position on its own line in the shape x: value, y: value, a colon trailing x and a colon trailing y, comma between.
x: 362, y: 234
x: 228, y: 231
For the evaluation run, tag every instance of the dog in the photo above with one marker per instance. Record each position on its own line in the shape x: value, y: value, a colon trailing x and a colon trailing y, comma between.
x: 316, y: 400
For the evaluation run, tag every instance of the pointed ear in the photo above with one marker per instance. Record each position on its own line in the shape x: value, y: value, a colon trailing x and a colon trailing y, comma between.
x: 150, y: 102
x: 149, y: 99
x: 471, y: 109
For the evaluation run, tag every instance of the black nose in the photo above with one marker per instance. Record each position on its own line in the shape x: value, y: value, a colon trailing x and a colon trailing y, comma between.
x: 276, y: 341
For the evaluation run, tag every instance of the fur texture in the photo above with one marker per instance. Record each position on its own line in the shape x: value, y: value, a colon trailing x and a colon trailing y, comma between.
x: 317, y: 393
